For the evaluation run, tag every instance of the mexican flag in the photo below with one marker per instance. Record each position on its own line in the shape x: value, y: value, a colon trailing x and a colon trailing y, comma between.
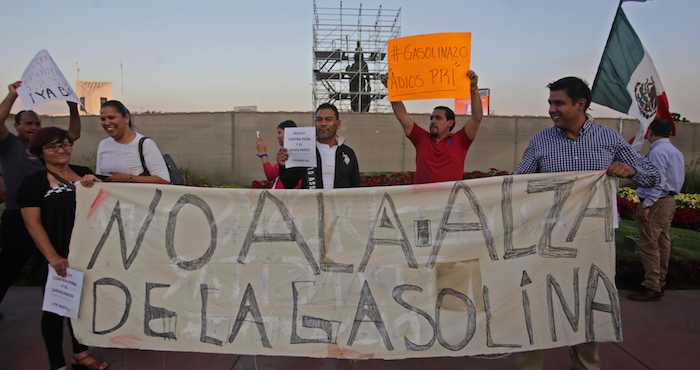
x: 627, y: 80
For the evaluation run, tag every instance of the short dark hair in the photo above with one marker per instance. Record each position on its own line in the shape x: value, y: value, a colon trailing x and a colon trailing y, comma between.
x: 47, y: 135
x: 574, y: 87
x: 18, y: 116
x: 329, y: 106
x: 449, y: 114
x: 286, y: 124
x: 119, y: 107
x: 661, y: 128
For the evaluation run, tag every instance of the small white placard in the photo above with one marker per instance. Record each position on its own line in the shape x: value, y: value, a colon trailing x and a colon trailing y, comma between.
x: 62, y: 294
x: 300, y: 143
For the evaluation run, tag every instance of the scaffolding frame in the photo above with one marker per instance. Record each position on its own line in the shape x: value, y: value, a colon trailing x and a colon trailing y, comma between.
x: 349, y: 48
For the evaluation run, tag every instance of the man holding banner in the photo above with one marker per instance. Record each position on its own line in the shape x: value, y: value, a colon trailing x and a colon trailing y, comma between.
x: 440, y: 154
x: 576, y: 143
x: 17, y: 246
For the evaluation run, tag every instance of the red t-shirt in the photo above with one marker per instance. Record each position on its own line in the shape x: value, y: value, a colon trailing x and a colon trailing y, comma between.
x: 438, y: 161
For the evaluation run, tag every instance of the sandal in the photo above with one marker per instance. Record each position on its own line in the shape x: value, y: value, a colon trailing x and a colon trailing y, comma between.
x: 85, y: 361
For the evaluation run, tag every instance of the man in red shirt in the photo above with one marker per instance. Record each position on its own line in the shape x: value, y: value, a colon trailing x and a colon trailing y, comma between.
x: 440, y: 154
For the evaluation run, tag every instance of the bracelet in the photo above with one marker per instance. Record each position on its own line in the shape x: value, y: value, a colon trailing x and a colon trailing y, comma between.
x: 261, y: 155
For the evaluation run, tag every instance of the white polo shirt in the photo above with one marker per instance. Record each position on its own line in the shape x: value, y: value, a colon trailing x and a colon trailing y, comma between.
x: 327, y: 164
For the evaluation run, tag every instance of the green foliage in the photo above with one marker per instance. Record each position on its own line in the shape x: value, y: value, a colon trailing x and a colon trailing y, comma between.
x: 677, y: 117
x: 683, y: 200
x: 192, y: 179
x: 692, y: 177
x: 686, y: 243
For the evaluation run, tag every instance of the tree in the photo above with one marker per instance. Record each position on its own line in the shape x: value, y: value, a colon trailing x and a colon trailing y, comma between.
x: 677, y: 117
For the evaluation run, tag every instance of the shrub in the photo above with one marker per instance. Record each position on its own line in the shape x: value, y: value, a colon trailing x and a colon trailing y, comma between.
x: 192, y: 179
x: 687, y: 207
x: 692, y: 177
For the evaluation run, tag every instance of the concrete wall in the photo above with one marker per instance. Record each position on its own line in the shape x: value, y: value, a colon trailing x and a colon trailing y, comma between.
x: 221, y: 146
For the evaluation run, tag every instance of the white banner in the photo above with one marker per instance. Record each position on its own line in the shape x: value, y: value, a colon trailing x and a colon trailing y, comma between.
x: 43, y: 81
x: 493, y: 265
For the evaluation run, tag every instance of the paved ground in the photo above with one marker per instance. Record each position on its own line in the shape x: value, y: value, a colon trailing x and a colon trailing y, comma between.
x: 661, y: 335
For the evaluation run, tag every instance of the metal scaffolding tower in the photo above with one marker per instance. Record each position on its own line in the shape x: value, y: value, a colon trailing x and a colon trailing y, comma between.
x: 349, y: 56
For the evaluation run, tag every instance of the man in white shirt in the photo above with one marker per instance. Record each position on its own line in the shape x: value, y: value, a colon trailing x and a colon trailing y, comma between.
x: 337, y: 165
x: 656, y: 209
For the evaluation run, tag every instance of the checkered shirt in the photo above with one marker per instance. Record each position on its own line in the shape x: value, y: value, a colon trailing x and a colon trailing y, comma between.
x: 594, y: 149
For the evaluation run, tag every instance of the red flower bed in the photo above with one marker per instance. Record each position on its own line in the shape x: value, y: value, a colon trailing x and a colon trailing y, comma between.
x: 478, y: 174
x: 626, y: 208
x: 394, y: 178
x: 688, y: 218
x: 407, y: 178
x: 261, y: 184
x: 388, y: 179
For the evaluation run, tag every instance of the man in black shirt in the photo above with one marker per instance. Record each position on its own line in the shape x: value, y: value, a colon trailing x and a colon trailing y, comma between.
x: 17, y: 163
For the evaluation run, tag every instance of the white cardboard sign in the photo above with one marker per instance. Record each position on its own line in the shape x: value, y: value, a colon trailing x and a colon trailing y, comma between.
x: 43, y: 81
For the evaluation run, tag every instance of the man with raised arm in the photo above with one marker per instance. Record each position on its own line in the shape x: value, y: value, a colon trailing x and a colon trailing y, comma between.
x: 440, y: 153
x: 17, y: 163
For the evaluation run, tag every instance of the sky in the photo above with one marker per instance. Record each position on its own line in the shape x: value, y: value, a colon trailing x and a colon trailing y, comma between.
x: 213, y: 55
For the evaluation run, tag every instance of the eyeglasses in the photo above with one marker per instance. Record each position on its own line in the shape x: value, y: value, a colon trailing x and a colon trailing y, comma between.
x: 66, y: 145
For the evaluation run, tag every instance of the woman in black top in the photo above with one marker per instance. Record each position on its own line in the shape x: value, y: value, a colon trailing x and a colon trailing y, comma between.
x: 47, y: 201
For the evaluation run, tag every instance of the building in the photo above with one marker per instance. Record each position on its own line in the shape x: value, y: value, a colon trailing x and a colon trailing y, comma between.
x: 246, y: 108
x: 92, y: 94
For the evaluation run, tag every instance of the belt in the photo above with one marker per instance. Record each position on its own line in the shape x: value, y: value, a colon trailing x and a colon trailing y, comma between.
x: 670, y: 195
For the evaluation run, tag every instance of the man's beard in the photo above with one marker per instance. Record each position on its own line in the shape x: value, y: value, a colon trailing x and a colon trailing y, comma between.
x: 433, y: 131
x: 323, y: 135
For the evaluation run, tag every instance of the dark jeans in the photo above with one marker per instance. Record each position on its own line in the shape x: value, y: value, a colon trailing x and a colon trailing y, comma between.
x: 17, y: 248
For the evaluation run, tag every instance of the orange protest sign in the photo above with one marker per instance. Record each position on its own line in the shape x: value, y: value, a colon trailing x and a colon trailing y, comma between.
x: 429, y: 66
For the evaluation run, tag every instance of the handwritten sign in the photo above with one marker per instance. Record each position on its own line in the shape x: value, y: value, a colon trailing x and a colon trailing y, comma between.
x: 493, y: 265
x: 43, y: 81
x: 300, y: 143
x: 429, y: 66
x: 62, y: 294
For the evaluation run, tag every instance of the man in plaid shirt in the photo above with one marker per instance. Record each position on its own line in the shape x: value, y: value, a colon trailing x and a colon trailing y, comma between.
x: 576, y: 143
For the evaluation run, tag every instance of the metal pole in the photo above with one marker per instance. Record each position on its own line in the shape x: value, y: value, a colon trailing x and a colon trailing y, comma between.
x: 121, y: 67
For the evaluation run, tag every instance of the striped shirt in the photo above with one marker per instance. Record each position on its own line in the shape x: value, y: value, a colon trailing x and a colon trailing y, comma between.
x: 596, y: 147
